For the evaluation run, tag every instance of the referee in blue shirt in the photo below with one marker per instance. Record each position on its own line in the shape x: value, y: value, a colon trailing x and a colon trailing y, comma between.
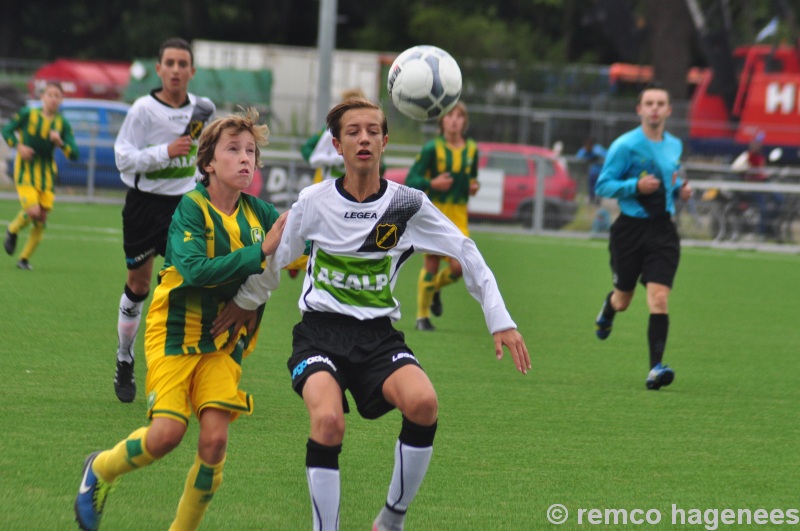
x: 641, y: 173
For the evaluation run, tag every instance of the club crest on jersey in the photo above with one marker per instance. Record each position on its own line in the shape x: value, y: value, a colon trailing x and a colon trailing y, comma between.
x: 386, y: 235
x: 195, y: 128
x: 257, y: 234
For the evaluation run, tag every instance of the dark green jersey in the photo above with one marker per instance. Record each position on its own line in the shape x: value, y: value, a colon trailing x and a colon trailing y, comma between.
x: 209, y: 255
x: 436, y: 158
x: 33, y: 128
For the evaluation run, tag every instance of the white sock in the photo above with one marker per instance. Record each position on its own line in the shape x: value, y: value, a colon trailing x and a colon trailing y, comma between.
x: 130, y: 313
x: 410, y: 467
x: 323, y: 485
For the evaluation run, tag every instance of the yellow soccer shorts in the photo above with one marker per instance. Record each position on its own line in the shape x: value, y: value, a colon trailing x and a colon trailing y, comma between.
x: 178, y: 386
x: 455, y: 213
x: 30, y: 196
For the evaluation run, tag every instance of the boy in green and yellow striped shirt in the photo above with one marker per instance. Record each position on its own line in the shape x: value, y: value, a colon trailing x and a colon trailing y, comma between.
x: 218, y: 237
x: 35, y: 133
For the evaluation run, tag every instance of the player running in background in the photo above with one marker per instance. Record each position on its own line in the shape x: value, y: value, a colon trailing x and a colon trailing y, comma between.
x: 155, y: 152
x: 641, y: 173
x: 36, y: 132
x: 362, y: 229
x: 447, y: 170
x: 217, y: 238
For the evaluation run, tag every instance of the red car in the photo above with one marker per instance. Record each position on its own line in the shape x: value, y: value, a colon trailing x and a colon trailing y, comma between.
x: 508, y: 173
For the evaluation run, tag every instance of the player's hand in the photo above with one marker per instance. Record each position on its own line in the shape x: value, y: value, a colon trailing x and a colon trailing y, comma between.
x: 273, y: 237
x: 179, y: 147
x: 474, y: 186
x: 25, y: 152
x: 442, y: 182
x: 516, y: 345
x: 648, y: 184
x: 232, y: 317
x: 686, y: 191
x: 55, y: 138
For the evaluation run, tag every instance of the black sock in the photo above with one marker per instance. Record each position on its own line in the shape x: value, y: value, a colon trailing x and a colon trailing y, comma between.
x: 657, y: 330
x: 608, y: 311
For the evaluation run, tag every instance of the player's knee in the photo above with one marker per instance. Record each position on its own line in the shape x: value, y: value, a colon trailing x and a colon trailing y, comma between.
x: 328, y: 427
x: 163, y: 438
x: 423, y: 409
x: 658, y: 301
x: 138, y: 284
x: 212, y: 447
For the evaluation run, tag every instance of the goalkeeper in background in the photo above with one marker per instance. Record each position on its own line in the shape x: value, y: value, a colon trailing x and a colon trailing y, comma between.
x: 447, y: 170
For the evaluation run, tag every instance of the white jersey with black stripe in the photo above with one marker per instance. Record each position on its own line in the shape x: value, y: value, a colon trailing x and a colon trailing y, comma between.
x: 141, y: 145
x: 357, y: 250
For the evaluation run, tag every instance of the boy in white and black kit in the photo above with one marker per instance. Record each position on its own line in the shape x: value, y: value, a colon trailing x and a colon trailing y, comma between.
x: 361, y: 230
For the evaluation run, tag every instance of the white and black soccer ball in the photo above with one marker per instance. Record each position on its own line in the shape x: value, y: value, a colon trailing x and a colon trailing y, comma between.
x: 424, y: 82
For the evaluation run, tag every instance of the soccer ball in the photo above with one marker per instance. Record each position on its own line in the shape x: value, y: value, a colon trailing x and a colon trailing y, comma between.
x: 424, y: 82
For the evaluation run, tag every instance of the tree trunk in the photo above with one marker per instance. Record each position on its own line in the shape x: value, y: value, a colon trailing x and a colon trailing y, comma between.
x: 671, y: 36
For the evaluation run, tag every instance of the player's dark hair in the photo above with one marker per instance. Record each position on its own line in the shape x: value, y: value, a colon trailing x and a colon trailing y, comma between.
x: 334, y: 119
x: 655, y: 85
x: 460, y: 106
x: 246, y: 120
x: 176, y: 42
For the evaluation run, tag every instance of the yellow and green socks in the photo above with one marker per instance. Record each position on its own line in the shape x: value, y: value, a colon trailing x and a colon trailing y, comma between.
x: 425, y: 290
x: 202, y: 482
x: 127, y: 455
x: 20, y: 221
x: 33, y: 241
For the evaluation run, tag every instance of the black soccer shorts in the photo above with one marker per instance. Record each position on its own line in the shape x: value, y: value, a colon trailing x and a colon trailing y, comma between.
x: 145, y: 224
x: 647, y: 250
x: 360, y: 355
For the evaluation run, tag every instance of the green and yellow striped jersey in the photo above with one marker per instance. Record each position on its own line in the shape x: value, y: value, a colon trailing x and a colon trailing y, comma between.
x: 209, y: 255
x: 34, y: 129
x: 437, y: 157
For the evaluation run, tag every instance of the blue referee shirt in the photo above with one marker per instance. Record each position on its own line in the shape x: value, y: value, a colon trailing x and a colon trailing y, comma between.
x: 632, y: 156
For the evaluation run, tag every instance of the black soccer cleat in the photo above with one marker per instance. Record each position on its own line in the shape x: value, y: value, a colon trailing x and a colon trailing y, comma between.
x: 659, y: 376
x: 436, y: 305
x: 25, y: 265
x: 125, y: 381
x: 425, y: 325
x: 10, y: 242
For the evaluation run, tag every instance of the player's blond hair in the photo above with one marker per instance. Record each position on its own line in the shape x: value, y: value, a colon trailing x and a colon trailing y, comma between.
x: 246, y: 120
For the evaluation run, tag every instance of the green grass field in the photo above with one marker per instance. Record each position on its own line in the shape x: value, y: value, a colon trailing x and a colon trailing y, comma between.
x: 579, y: 430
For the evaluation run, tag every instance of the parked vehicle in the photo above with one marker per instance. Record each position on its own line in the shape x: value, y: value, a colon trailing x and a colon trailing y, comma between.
x: 95, y: 124
x: 508, y: 175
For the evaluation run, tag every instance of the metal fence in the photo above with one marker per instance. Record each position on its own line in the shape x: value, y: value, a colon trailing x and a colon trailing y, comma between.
x: 724, y: 208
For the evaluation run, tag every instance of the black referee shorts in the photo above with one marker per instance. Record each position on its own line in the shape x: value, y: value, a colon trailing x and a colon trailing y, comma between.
x: 359, y: 354
x: 647, y: 250
x: 145, y: 224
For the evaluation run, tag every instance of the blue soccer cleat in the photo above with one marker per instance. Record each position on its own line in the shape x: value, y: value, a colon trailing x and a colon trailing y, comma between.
x: 603, y: 324
x: 91, y: 497
x: 603, y: 327
x: 659, y: 376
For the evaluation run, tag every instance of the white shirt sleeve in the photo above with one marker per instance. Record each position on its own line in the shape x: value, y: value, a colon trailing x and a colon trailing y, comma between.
x: 324, y: 153
x: 432, y: 232
x: 256, y: 289
x: 131, y: 151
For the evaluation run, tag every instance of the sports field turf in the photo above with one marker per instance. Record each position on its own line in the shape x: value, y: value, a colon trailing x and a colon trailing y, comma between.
x: 579, y: 430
